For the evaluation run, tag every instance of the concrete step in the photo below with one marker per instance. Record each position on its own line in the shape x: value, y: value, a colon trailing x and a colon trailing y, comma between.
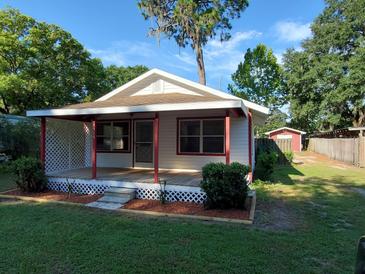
x: 130, y: 192
x: 102, y: 205
x: 113, y: 194
x: 114, y: 199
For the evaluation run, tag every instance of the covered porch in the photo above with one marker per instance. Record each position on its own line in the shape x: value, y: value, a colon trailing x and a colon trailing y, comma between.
x: 143, y: 147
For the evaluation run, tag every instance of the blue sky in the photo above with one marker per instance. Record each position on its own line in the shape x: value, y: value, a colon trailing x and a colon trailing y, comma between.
x: 115, y: 31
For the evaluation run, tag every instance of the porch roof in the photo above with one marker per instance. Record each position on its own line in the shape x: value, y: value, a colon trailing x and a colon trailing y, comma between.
x: 156, y: 91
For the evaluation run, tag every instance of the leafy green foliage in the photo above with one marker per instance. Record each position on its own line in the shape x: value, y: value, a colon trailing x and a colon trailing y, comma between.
x: 117, y: 76
x: 225, y: 185
x: 29, y: 174
x: 111, y: 77
x: 259, y: 78
x: 276, y: 119
x: 192, y: 22
x: 325, y: 81
x: 20, y: 138
x: 289, y: 156
x: 265, y: 163
x: 43, y: 66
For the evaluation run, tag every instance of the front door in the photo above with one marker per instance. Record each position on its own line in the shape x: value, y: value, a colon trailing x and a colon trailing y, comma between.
x: 143, y: 143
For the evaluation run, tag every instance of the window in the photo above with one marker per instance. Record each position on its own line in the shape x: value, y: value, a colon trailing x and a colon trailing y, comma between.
x: 113, y: 136
x: 201, y: 136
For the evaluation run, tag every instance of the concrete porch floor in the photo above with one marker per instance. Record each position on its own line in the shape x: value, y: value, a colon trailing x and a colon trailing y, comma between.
x: 133, y: 175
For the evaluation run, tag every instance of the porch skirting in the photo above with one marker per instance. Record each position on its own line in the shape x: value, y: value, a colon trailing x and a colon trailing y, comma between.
x: 143, y: 190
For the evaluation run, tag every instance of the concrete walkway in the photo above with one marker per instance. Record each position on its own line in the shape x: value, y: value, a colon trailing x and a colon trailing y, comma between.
x: 114, y: 198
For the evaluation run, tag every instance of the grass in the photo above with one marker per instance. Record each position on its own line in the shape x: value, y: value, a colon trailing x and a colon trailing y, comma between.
x: 308, y: 221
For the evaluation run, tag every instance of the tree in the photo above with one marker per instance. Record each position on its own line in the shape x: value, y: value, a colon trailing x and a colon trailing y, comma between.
x: 276, y: 119
x: 259, y: 78
x: 326, y: 80
x: 117, y: 76
x: 107, y: 79
x: 41, y: 65
x: 192, y: 22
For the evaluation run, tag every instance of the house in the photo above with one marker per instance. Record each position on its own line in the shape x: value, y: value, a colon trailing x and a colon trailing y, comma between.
x: 288, y: 133
x: 157, y: 126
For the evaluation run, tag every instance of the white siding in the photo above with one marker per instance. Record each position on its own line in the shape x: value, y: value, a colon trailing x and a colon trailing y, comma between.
x: 161, y: 86
x: 239, y: 140
x: 114, y: 159
x: 168, y: 158
x: 168, y: 128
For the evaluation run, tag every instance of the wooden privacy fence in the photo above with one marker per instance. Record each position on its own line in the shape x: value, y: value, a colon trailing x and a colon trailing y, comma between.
x: 279, y: 146
x: 349, y: 150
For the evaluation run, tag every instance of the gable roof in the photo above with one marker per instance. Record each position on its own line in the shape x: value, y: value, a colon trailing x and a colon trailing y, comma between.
x: 287, y: 128
x: 156, y: 90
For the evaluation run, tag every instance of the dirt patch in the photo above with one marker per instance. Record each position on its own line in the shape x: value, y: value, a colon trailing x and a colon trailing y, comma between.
x: 187, y: 209
x: 56, y: 196
x: 309, y: 157
x: 275, y: 215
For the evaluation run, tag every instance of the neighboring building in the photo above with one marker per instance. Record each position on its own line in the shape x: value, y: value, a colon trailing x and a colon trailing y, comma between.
x: 288, y: 133
x: 156, y: 126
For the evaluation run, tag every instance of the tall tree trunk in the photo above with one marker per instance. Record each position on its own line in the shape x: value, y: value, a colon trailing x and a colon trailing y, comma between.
x: 359, y: 119
x: 200, y: 63
x: 5, y: 109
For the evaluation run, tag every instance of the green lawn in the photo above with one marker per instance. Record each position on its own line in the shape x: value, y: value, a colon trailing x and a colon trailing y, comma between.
x: 309, y: 221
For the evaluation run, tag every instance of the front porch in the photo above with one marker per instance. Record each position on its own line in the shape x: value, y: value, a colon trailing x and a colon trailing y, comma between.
x: 145, y: 176
x: 89, y: 155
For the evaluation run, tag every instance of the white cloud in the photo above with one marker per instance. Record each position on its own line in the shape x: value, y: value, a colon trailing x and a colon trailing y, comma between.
x: 221, y: 58
x: 186, y: 58
x: 216, y: 48
x: 123, y: 53
x: 292, y: 31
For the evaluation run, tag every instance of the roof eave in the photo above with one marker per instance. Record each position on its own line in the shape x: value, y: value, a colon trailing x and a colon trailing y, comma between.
x: 224, y: 104
x: 288, y: 128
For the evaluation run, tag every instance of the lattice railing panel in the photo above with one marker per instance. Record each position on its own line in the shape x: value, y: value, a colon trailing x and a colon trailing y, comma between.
x: 88, y: 143
x: 79, y: 188
x: 171, y: 196
x: 89, y: 188
x: 68, y: 145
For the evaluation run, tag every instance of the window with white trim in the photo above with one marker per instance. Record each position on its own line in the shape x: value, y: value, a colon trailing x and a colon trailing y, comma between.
x: 201, y: 136
x: 113, y: 136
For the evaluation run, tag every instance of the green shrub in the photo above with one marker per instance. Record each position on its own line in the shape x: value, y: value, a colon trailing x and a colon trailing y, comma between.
x: 20, y: 138
x: 265, y: 165
x: 225, y: 185
x: 289, y: 155
x: 30, y: 176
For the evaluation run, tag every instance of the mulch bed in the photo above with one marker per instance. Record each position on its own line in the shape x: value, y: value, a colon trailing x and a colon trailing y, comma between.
x: 187, y: 209
x: 56, y: 196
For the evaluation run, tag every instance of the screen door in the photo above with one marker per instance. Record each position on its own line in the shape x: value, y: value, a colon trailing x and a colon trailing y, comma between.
x: 143, y: 143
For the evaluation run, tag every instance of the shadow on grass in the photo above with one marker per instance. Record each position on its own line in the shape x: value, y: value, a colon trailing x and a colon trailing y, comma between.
x: 316, y: 202
x: 282, y: 174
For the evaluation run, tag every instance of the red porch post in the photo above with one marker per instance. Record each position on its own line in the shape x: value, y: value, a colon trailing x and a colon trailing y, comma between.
x: 42, y: 149
x: 93, y: 150
x: 249, y: 138
x: 156, y: 128
x: 228, y: 137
